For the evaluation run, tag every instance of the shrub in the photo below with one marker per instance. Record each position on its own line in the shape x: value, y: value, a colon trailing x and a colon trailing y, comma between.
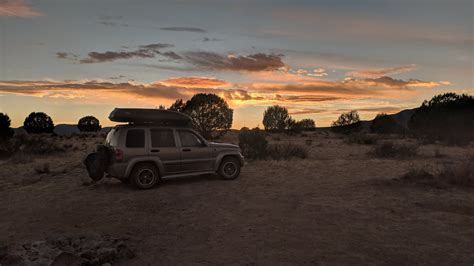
x: 283, y: 151
x: 385, y: 124
x: 447, y: 117
x: 89, y: 124
x: 360, y: 138
x: 307, y: 124
x: 42, y: 168
x: 276, y: 118
x: 390, y: 150
x: 253, y: 143
x: 347, y: 123
x: 37, y: 123
x: 6, y: 131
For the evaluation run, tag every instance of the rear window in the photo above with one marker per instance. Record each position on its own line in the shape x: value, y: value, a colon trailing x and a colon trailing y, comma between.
x: 135, y: 138
x: 162, y: 138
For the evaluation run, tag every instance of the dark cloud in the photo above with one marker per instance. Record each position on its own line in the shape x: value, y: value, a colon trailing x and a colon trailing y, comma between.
x: 144, y: 51
x: 206, y: 39
x: 64, y: 55
x: 215, y: 61
x: 188, y: 29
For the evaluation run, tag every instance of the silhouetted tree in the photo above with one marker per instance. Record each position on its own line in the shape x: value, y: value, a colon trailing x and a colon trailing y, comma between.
x: 211, y: 115
x: 162, y: 107
x: 347, y: 122
x: 6, y: 131
x: 89, y: 124
x: 38, y: 122
x: 447, y: 117
x: 307, y: 124
x: 385, y: 124
x: 178, y: 106
x: 276, y: 118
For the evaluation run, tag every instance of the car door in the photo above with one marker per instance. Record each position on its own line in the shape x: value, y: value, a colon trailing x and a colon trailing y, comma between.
x: 196, y: 154
x: 163, y: 145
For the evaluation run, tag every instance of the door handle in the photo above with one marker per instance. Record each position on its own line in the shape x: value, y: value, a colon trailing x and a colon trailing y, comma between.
x: 155, y: 150
x: 186, y: 149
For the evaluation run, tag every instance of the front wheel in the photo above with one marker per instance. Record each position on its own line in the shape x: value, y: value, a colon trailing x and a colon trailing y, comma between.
x: 144, y: 176
x: 229, y: 168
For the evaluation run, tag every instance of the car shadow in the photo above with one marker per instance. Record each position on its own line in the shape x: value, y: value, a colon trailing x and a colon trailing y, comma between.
x: 174, y: 181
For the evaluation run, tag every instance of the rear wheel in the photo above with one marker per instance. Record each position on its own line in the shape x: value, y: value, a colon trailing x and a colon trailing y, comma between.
x: 144, y: 176
x: 229, y: 168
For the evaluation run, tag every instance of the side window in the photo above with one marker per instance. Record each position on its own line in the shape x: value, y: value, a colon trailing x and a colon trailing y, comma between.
x: 135, y: 138
x: 162, y: 138
x: 189, y: 139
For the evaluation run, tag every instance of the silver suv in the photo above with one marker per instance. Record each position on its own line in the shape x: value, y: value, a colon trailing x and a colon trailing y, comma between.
x: 143, y: 154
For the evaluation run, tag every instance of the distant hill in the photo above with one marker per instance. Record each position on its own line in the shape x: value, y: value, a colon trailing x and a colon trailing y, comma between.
x: 401, y: 117
x: 62, y: 129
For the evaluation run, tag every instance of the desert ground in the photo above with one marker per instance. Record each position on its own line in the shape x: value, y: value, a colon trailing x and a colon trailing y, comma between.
x: 341, y: 205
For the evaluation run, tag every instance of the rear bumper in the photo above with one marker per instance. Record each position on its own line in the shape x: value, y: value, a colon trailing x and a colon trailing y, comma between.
x: 117, y: 170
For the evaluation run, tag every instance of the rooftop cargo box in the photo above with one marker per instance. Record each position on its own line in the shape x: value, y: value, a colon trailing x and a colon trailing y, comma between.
x: 149, y: 116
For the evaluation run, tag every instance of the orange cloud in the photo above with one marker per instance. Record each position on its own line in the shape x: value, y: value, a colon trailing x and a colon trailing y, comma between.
x: 195, y: 82
x: 17, y: 8
x: 376, y: 73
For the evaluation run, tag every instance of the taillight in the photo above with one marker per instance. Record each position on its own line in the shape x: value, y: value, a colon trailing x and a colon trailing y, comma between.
x: 118, y: 155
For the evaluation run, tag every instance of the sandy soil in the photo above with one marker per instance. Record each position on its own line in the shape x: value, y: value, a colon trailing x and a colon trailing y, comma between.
x: 336, y: 207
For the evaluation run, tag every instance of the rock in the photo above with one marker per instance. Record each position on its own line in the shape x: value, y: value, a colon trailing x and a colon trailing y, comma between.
x: 13, y: 260
x: 106, y: 255
x: 3, y: 252
x: 124, y: 253
x: 66, y: 258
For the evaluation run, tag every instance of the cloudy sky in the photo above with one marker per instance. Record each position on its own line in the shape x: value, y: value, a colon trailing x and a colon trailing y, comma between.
x: 71, y: 58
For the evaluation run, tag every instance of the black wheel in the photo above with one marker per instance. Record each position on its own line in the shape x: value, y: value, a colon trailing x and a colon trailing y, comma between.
x: 144, y: 176
x: 229, y: 168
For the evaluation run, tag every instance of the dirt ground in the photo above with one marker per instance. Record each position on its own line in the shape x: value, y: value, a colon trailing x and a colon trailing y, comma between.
x: 339, y: 206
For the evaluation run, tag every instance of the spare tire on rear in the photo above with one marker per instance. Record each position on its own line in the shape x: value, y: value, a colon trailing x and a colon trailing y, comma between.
x: 97, y: 162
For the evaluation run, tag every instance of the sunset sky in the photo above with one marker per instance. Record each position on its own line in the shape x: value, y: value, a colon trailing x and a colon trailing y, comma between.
x: 71, y: 58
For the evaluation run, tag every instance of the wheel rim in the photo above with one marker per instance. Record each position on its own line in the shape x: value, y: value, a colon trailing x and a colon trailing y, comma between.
x: 229, y: 169
x: 146, y: 177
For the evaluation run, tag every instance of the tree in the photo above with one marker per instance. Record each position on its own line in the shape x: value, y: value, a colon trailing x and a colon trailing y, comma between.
x: 37, y: 123
x: 307, y: 124
x: 446, y: 117
x: 178, y: 106
x: 347, y: 122
x: 89, y: 124
x: 276, y: 118
x: 6, y: 131
x: 210, y: 114
x: 385, y: 124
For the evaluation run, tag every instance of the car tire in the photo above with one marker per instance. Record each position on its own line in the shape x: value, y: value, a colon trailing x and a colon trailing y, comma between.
x: 229, y: 168
x: 144, y: 176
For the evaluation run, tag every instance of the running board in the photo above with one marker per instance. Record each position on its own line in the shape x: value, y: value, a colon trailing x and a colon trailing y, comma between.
x: 188, y: 174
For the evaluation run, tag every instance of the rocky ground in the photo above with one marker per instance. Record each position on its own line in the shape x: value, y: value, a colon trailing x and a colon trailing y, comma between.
x: 342, y: 205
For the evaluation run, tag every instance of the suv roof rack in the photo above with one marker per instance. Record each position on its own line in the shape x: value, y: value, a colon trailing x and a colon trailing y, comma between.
x: 137, y: 116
